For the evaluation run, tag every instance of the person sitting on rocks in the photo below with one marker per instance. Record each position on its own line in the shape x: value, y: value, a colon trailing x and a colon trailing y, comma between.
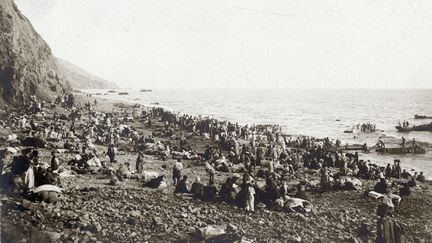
x: 22, y: 170
x: 181, y: 186
x: 197, y: 188
x: 301, y: 192
x: 210, y: 192
x: 228, y: 192
x: 421, y: 177
x: 178, y: 167
x: 284, y: 189
x: 272, y: 192
x: 405, y: 174
x: 122, y: 172
x: 412, y: 181
x: 381, y: 186
x: 405, y: 190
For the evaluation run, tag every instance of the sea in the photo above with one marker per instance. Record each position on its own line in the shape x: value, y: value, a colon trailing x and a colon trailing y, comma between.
x: 319, y: 113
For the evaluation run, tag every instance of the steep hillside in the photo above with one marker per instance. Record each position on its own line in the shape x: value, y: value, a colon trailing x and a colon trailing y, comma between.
x: 27, y: 65
x: 81, y: 79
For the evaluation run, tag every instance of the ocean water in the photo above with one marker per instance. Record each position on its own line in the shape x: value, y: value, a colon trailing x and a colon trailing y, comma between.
x: 318, y: 113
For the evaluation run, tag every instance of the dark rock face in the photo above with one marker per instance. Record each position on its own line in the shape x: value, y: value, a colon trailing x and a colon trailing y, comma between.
x: 27, y: 66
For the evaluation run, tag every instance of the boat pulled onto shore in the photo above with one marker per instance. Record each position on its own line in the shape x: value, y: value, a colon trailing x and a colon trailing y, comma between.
x: 417, y: 150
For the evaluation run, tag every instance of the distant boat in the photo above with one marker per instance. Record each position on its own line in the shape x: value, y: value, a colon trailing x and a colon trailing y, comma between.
x: 111, y: 91
x: 401, y: 150
x: 420, y: 128
x: 123, y: 93
x: 146, y: 90
x: 422, y: 117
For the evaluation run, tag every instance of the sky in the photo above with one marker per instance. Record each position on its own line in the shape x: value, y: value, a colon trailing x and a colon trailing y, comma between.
x: 250, y: 44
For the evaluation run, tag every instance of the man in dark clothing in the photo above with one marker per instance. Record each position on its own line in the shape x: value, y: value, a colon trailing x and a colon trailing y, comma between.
x: 388, y: 229
x: 210, y: 192
x: 272, y: 191
x: 228, y: 192
x: 139, y: 163
x: 181, y: 186
x: 197, y: 189
x: 381, y: 186
x: 111, y: 153
x: 54, y: 162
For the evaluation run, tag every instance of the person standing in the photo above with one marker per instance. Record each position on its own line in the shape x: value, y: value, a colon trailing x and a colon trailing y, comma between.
x: 325, y: 180
x: 211, y: 171
x: 388, y: 229
x: 111, y: 153
x: 139, y: 163
x: 54, y: 162
x: 403, y: 143
x: 250, y: 198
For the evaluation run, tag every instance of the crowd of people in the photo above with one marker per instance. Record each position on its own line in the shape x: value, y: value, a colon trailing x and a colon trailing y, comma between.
x: 248, y: 154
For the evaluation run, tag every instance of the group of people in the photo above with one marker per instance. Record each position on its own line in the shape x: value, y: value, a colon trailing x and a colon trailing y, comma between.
x: 404, y: 124
x: 249, y: 153
x: 366, y: 127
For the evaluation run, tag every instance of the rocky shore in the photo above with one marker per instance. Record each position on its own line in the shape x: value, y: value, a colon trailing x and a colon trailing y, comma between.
x: 92, y: 210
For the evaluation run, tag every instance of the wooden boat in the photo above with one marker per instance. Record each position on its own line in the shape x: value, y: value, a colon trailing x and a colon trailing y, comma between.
x: 344, y: 148
x: 422, y: 117
x: 351, y: 147
x: 146, y: 90
x: 123, y: 93
x: 422, y: 128
x: 401, y: 150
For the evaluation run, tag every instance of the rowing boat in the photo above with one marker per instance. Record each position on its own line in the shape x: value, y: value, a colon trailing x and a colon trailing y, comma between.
x: 421, y: 128
x: 422, y: 117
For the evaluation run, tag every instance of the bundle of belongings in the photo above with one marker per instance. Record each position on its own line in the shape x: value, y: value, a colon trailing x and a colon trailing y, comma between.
x: 292, y: 204
x: 158, y: 182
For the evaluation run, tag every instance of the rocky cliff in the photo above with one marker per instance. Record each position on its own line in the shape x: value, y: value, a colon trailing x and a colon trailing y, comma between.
x: 81, y: 79
x: 27, y: 66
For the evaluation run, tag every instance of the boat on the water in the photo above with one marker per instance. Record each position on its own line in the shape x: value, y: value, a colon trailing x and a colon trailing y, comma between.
x: 422, y: 117
x: 421, y: 128
x: 123, y: 93
x: 417, y: 150
x: 146, y: 90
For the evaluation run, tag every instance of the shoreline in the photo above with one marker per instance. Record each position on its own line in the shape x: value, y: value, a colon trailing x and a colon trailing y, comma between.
x: 130, y: 212
x: 375, y: 157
